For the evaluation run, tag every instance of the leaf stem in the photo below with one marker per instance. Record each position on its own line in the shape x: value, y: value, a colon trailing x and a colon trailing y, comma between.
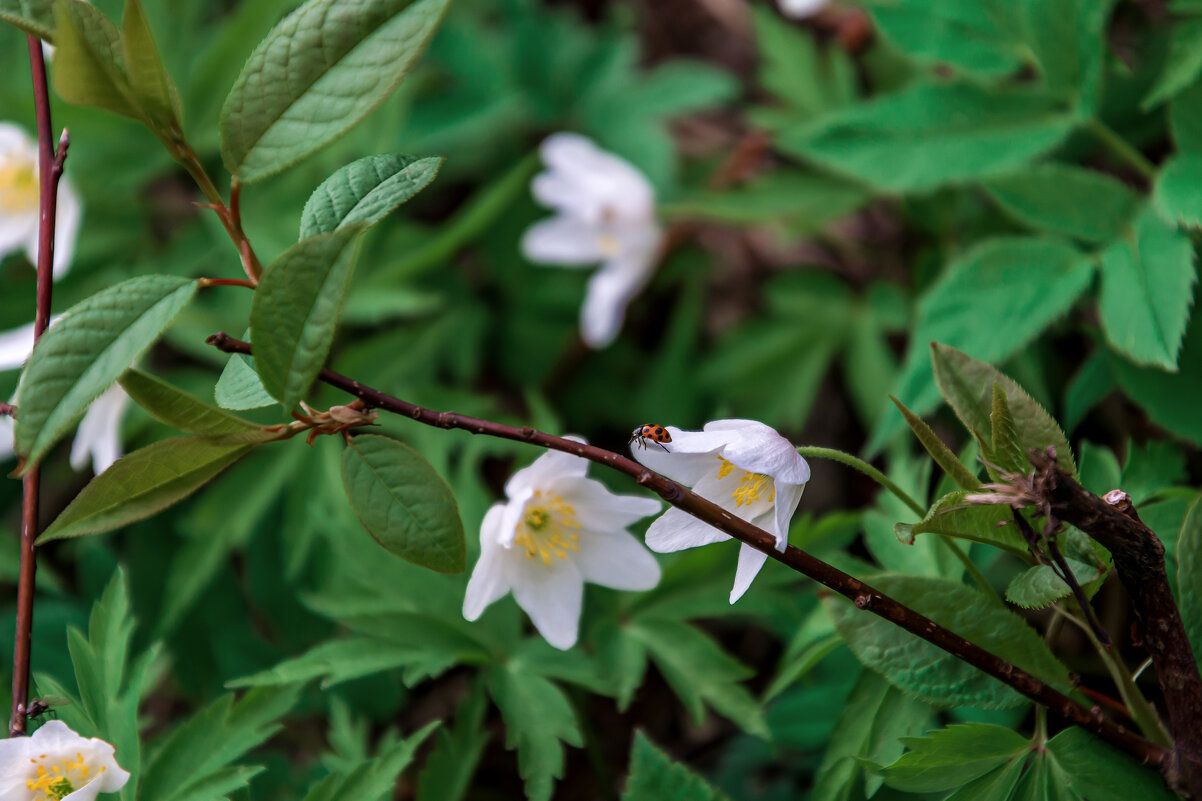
x: 230, y: 215
x: 1122, y: 150
x: 865, y: 468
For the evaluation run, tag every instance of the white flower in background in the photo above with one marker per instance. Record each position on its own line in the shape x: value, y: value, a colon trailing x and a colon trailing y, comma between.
x: 800, y: 9
x: 56, y: 764
x: 19, y: 202
x: 605, y: 212
x: 558, y: 530
x: 743, y: 466
x: 99, y: 434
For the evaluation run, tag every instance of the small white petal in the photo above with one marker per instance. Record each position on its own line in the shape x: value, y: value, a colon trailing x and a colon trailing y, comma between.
x: 551, y: 595
x: 6, y: 438
x: 15, y: 346
x: 610, y: 291
x: 800, y: 9
x: 787, y: 498
x: 511, y: 515
x: 750, y: 562
x: 68, y: 217
x: 546, y: 469
x: 608, y: 185
x: 678, y: 464
x: 564, y: 242
x: 617, y: 560
x: 99, y: 434
x: 598, y: 508
x: 488, y: 582
x: 675, y: 530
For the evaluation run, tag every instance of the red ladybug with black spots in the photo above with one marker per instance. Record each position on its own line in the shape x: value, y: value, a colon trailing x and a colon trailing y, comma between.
x: 657, y: 434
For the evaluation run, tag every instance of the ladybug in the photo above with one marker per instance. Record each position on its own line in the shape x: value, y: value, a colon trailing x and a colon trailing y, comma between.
x: 657, y: 434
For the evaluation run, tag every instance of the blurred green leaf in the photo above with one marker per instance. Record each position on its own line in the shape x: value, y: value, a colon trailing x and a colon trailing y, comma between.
x: 622, y: 658
x: 89, y: 65
x: 971, y: 36
x: 933, y: 134
x: 1064, y: 199
x: 946, y: 759
x: 810, y: 80
x: 804, y: 201
x: 403, y: 502
x: 342, y: 660
x: 375, y: 777
x: 1185, y: 119
x: 952, y: 516
x: 815, y: 638
x: 450, y: 767
x: 1176, y: 194
x: 655, y: 777
x: 296, y: 310
x: 365, y: 191
x: 87, y: 350
x: 1150, y: 468
x: 178, y: 409
x: 319, y: 72
x: 1100, y: 471
x: 943, y: 456
x: 239, y: 386
x: 150, y: 85
x: 1170, y: 399
x: 35, y: 17
x: 1092, y: 383
x: 1182, y: 65
x: 1099, y: 772
x: 1189, y: 575
x: 1147, y: 291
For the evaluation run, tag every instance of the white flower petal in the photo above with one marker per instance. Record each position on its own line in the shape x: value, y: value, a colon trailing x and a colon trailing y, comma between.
x: 6, y: 438
x: 601, y: 510
x: 15, y: 346
x: 800, y: 9
x: 787, y: 498
x: 678, y: 464
x: 616, y: 559
x: 758, y: 448
x: 545, y: 470
x: 488, y: 582
x: 68, y: 217
x: 675, y: 530
x: 607, y: 183
x: 16, y: 233
x: 99, y: 433
x: 610, y: 291
x: 511, y: 516
x: 750, y: 562
x: 551, y: 595
x: 55, y: 744
x: 564, y: 242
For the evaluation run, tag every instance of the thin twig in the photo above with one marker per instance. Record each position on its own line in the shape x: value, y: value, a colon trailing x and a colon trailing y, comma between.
x: 50, y: 169
x: 862, y: 595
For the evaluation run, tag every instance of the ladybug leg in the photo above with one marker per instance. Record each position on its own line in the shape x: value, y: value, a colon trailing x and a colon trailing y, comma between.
x: 662, y: 445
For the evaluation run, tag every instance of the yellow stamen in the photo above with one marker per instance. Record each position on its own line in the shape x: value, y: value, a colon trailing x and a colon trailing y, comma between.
x: 751, y: 485
x: 546, y: 529
x: 18, y: 187
x: 54, y: 783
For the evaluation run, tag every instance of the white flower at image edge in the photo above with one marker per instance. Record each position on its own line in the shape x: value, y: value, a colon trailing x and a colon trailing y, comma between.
x: 98, y: 438
x: 800, y: 9
x: 743, y: 466
x: 558, y: 530
x: 19, y: 202
x: 56, y: 764
x: 604, y: 212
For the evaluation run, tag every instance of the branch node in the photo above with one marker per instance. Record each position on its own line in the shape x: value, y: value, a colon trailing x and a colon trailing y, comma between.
x: 863, y: 601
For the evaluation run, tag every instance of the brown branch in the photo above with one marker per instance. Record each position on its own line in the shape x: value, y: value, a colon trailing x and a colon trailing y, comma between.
x: 1139, y: 561
x: 862, y: 595
x: 50, y: 170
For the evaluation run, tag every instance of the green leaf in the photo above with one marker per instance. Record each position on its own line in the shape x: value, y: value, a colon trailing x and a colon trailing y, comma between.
x: 296, y: 310
x: 199, y: 751
x: 1182, y: 65
x: 319, y: 72
x: 943, y: 456
x: 1176, y: 194
x: 144, y: 483
x: 1006, y: 452
x: 932, y: 134
x: 945, y: 759
x: 365, y: 191
x: 538, y: 720
x: 622, y: 658
x: 89, y: 64
x: 178, y: 409
x: 1189, y: 575
x: 1063, y: 199
x: 90, y: 346
x: 967, y: 385
x: 403, y: 502
x: 449, y: 768
x: 35, y: 17
x: 1185, y: 119
x: 1151, y: 468
x: 1099, y: 772
x: 991, y: 302
x: 1067, y: 39
x: 655, y: 777
x: 700, y: 671
x: 374, y: 778
x: 150, y: 85
x: 1039, y: 586
x: 808, y: 78
x: 814, y: 640
x: 932, y: 674
x: 1100, y: 471
x: 952, y: 516
x: 969, y: 36
x: 1170, y: 399
x: 239, y: 386
x: 338, y: 661
x: 1147, y: 291
x: 803, y: 201
x: 1092, y: 383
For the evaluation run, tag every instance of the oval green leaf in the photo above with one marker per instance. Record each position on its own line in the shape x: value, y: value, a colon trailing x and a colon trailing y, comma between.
x: 403, y: 502
x: 179, y: 409
x: 144, y: 483
x: 89, y: 65
x: 150, y: 84
x: 88, y: 349
x: 320, y: 71
x: 296, y: 310
x: 366, y: 191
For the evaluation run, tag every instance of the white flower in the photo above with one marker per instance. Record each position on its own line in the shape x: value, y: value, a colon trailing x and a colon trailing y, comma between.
x: 605, y: 212
x: 99, y: 433
x: 56, y: 764
x: 800, y: 9
x: 743, y: 466
x: 19, y: 202
x: 558, y: 530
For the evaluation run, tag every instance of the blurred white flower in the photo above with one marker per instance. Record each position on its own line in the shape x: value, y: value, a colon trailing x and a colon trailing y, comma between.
x: 558, y: 530
x: 743, y: 466
x: 56, y: 764
x: 800, y: 9
x: 605, y: 212
x: 19, y: 207
x: 99, y: 433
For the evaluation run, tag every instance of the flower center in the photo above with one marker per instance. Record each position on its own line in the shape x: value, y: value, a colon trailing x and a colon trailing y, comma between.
x: 750, y: 485
x: 18, y: 187
x: 56, y: 782
x: 548, y: 528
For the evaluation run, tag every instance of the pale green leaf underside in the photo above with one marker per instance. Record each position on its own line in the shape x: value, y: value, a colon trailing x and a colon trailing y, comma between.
x: 35, y: 17
x: 178, y: 409
x: 366, y: 191
x: 320, y: 71
x: 1039, y: 586
x: 239, y: 387
x: 952, y: 516
x: 90, y: 347
x: 89, y: 65
x: 403, y: 502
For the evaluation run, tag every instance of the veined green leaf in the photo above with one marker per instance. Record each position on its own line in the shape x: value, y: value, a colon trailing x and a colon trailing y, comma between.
x: 1005, y: 451
x: 952, y: 516
x: 1064, y: 199
x: 655, y: 777
x: 320, y: 71
x: 1177, y: 194
x: 296, y: 310
x: 1147, y: 290
x: 86, y: 351
x: 1097, y: 771
x: 89, y: 64
x: 239, y: 387
x: 342, y: 660
x: 365, y: 191
x: 179, y: 409
x: 918, y: 667
x: 933, y: 134
x: 150, y: 84
x: 35, y: 17
x: 1189, y: 575
x: 1039, y: 586
x: 143, y: 483
x: 1182, y: 65
x: 538, y: 720
x: 949, y: 758
x: 403, y: 502
x: 448, y: 770
x: 375, y: 777
x: 943, y: 456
